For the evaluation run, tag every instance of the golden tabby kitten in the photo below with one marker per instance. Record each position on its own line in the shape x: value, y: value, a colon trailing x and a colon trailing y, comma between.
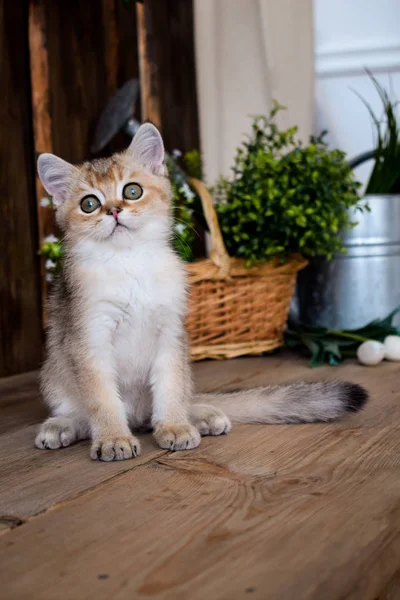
x: 117, y: 356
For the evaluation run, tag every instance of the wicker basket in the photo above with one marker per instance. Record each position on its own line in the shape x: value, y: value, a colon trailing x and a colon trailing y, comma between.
x: 235, y: 310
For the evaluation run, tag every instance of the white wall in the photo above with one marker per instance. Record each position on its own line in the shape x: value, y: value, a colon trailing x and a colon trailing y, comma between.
x: 349, y: 36
x: 247, y: 53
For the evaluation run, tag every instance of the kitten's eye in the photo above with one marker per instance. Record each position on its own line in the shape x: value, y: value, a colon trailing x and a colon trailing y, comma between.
x: 132, y: 191
x: 89, y: 204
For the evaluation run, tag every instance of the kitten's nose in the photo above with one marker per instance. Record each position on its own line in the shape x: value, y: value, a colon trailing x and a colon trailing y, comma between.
x: 114, y: 210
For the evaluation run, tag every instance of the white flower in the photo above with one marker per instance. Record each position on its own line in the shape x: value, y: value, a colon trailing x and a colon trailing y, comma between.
x: 45, y: 202
x: 187, y: 192
x: 50, y: 264
x: 49, y: 277
x: 176, y: 153
x: 50, y: 239
x: 180, y: 228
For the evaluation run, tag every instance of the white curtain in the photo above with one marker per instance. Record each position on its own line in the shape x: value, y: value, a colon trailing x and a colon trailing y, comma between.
x: 249, y: 52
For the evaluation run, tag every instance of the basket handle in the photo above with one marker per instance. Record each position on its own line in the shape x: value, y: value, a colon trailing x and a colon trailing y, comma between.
x: 218, y: 254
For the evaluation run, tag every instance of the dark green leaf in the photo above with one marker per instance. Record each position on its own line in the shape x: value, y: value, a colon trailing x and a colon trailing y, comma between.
x: 333, y: 346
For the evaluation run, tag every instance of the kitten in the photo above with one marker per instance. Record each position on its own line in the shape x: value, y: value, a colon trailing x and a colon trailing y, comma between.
x: 117, y: 356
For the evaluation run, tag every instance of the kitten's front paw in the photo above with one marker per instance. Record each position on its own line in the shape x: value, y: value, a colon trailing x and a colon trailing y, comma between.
x: 177, y: 437
x: 120, y: 448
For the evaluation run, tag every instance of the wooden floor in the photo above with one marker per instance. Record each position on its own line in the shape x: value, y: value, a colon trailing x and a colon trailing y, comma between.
x: 267, y: 512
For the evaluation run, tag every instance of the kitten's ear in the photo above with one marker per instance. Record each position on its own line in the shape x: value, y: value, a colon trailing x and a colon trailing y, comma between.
x: 147, y: 149
x: 56, y: 175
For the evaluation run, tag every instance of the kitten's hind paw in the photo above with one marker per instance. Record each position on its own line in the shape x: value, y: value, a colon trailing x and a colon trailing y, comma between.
x: 120, y: 448
x: 177, y: 437
x: 209, y: 420
x: 56, y: 432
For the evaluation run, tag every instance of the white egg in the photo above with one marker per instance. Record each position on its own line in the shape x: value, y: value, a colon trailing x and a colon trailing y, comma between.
x: 392, y: 347
x: 371, y: 353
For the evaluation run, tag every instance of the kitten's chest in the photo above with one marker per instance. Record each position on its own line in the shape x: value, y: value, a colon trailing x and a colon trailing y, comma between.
x: 135, y: 296
x: 138, y: 323
x: 136, y: 302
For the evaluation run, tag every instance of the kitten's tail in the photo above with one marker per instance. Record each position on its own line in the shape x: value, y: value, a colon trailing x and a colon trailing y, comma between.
x: 293, y: 403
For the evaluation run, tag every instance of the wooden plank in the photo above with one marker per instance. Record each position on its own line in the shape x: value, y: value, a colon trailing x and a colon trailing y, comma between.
x: 180, y: 107
x: 41, y: 119
x: 77, y: 74
x: 20, y: 403
x: 111, y: 44
x: 149, y: 52
x: 24, y: 384
x: 22, y: 466
x: 324, y: 526
x: 20, y: 320
x: 92, y: 51
x: 33, y: 480
x: 167, y: 70
x: 128, y: 60
x: 233, y: 518
x: 120, y: 57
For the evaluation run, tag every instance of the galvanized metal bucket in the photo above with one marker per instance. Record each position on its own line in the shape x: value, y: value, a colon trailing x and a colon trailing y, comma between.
x: 362, y: 285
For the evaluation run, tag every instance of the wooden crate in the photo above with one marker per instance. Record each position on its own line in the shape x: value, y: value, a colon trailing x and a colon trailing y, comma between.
x: 70, y: 59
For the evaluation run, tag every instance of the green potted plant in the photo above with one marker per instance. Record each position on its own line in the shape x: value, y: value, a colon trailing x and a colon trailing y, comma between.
x: 363, y: 285
x: 285, y: 197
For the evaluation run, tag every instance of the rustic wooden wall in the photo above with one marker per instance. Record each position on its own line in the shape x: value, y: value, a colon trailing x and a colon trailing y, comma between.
x: 92, y: 50
x: 168, y: 42
x: 20, y: 325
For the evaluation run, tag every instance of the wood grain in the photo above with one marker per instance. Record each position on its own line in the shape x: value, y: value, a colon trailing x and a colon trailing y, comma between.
x: 31, y: 480
x: 41, y: 119
x: 121, y: 57
x: 20, y: 313
x: 77, y: 74
x: 19, y: 402
x: 111, y: 44
x: 175, y: 28
x: 167, y: 70
x: 149, y: 51
x: 317, y: 531
x: 267, y: 512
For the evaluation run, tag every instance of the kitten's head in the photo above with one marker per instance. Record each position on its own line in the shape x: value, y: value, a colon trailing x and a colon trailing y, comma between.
x: 114, y: 200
